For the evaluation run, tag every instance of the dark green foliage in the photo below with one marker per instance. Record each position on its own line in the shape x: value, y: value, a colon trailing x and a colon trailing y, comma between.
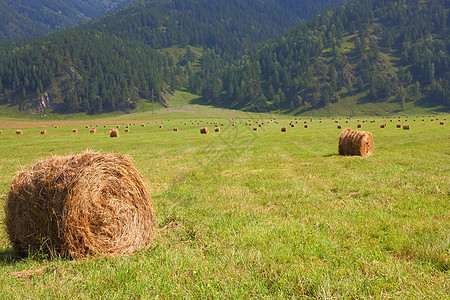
x: 109, y: 64
x: 311, y: 64
x: 20, y: 19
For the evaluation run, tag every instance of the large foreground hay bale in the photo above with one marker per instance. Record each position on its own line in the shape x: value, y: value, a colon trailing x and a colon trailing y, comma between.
x: 80, y: 205
x: 114, y: 133
x: 354, y: 142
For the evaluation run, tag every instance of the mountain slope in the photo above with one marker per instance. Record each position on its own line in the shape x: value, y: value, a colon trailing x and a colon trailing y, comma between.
x: 374, y: 50
x: 20, y: 19
x: 110, y: 64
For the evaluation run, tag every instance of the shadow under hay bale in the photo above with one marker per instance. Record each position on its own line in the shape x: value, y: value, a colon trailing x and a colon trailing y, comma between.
x: 80, y: 205
x: 354, y: 142
x: 204, y: 130
x: 114, y: 133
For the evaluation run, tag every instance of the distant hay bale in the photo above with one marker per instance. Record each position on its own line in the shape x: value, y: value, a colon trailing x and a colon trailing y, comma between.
x: 359, y: 125
x: 127, y: 129
x: 80, y: 205
x: 217, y: 129
x: 93, y: 130
x: 19, y: 132
x: 56, y: 126
x: 175, y: 129
x: 43, y: 131
x: 204, y: 130
x: 405, y: 127
x: 383, y: 125
x: 354, y: 142
x: 142, y: 125
x: 306, y: 126
x: 118, y: 126
x: 399, y: 125
x: 114, y: 133
x: 1, y: 132
x: 161, y: 126
x: 104, y: 126
x: 339, y: 127
x: 440, y: 123
x: 75, y: 130
x: 255, y: 128
x: 283, y: 129
x: 87, y: 126
x: 292, y: 125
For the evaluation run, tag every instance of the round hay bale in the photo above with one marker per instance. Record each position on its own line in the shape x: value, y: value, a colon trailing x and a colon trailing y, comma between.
x: 93, y: 130
x: 255, y: 128
x: 405, y: 127
x: 399, y: 125
x: 292, y: 125
x: 306, y: 126
x: 161, y: 126
x: 142, y: 125
x: 217, y: 129
x: 127, y: 129
x: 440, y: 123
x: 114, y: 133
x: 204, y: 130
x: 283, y: 129
x: 383, y: 125
x: 56, y: 126
x: 19, y: 132
x: 175, y: 129
x: 75, y: 130
x: 117, y: 126
x: 0, y: 132
x: 339, y: 127
x: 43, y: 131
x: 80, y: 205
x: 359, y: 125
x: 104, y: 126
x: 354, y: 142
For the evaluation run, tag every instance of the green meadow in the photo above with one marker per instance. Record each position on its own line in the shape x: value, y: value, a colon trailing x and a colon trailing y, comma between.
x: 254, y: 214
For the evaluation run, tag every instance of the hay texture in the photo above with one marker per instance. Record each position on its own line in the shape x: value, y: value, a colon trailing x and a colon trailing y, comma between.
x: 114, y: 133
x: 80, y: 205
x: 354, y: 142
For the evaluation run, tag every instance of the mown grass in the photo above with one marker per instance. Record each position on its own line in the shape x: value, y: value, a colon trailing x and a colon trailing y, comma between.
x: 265, y: 214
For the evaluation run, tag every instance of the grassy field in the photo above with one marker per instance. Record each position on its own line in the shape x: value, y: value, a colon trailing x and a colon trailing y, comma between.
x: 255, y: 214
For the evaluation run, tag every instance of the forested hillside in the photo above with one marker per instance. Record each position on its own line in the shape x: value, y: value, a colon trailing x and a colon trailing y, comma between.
x: 376, y: 50
x: 110, y: 63
x: 20, y: 19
